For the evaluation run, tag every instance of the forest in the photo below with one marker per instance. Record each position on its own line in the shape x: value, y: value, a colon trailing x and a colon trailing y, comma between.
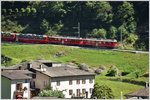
x: 127, y: 22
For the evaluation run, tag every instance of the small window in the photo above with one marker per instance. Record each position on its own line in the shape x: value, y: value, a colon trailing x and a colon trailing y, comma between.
x: 19, y: 86
x: 91, y: 89
x: 33, y: 76
x: 83, y: 91
x: 78, y: 81
x: 70, y: 82
x: 90, y: 80
x: 70, y: 92
x: 26, y: 80
x: 58, y: 83
x: 83, y: 81
x: 78, y: 92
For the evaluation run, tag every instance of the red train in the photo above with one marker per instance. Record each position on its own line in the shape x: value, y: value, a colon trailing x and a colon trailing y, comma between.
x: 33, y: 38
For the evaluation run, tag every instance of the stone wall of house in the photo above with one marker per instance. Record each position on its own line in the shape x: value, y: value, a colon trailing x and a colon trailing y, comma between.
x: 41, y: 80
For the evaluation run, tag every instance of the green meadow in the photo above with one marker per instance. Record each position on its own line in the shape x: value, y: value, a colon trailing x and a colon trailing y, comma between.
x: 125, y: 61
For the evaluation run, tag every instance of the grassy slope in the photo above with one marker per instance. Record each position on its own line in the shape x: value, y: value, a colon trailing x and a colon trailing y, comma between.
x: 123, y: 60
x: 118, y: 87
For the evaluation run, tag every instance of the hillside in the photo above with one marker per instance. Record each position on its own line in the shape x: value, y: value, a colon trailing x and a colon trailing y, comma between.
x: 124, y: 21
x: 128, y: 62
x: 123, y: 60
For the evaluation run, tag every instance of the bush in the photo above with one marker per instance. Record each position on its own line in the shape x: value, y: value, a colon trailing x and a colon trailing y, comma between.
x: 113, y: 71
x: 101, y: 92
x: 51, y: 93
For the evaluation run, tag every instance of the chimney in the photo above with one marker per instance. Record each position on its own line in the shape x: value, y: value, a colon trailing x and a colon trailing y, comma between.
x: 19, y: 67
x: 29, y: 65
x: 41, y: 67
x: 44, y: 69
x: 146, y: 85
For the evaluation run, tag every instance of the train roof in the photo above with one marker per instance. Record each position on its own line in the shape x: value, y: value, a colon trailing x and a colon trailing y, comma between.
x: 91, y: 39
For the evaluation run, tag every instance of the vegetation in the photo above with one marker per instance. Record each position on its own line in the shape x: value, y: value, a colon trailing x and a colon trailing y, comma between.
x: 51, y: 93
x: 117, y: 86
x: 124, y: 21
x: 102, y: 92
x: 125, y: 62
x: 113, y: 71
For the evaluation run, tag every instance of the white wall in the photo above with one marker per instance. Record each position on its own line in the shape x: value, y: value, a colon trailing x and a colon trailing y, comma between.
x: 13, y: 88
x: 27, y: 92
x: 41, y: 80
x: 56, y: 65
x: 64, y: 85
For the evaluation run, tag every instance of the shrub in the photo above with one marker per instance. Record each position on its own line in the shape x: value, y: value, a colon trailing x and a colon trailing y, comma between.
x: 51, y: 93
x: 113, y: 71
x: 101, y: 92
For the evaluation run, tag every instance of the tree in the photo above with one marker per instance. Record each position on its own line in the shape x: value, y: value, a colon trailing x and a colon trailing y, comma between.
x: 102, y: 92
x: 125, y: 16
x: 101, y: 33
x: 104, y: 11
x: 132, y: 38
x: 28, y: 11
x: 122, y: 32
x: 112, y: 32
x: 44, y: 26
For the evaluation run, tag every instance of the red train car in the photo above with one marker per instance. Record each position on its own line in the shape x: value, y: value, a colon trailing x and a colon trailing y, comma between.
x: 73, y: 41
x: 55, y: 40
x: 32, y: 38
x: 8, y: 36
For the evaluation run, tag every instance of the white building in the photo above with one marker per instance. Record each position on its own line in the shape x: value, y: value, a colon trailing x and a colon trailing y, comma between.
x: 15, y: 83
x: 72, y: 81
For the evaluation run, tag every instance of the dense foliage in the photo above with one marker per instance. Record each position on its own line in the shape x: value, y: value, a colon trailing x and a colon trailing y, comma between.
x: 113, y: 71
x: 98, y: 19
x: 51, y: 93
x: 102, y: 92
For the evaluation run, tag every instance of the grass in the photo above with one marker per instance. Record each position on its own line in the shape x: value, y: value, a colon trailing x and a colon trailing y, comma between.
x: 117, y: 87
x: 123, y: 60
x: 129, y: 62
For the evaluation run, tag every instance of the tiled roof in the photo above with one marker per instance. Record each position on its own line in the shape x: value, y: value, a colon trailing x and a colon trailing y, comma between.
x: 144, y: 92
x: 19, y: 71
x: 64, y: 71
x: 15, y: 75
x: 47, y: 61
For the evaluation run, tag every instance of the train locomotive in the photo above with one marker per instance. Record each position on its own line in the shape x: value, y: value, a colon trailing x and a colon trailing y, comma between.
x: 34, y: 38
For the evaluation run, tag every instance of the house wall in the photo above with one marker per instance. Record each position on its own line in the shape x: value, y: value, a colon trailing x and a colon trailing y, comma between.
x: 64, y: 85
x: 5, y: 88
x: 56, y: 65
x: 41, y: 80
x: 25, y: 83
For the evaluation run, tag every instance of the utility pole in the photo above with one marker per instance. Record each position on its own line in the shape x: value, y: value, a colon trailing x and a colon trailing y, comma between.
x: 121, y: 39
x: 78, y: 29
